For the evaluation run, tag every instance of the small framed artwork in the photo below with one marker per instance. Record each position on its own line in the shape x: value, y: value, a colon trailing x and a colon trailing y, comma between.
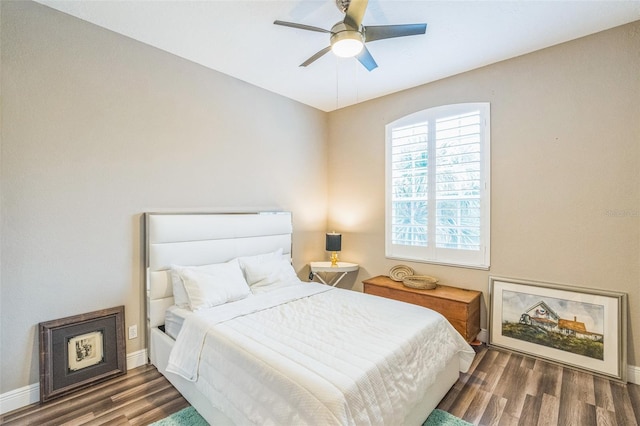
x: 78, y: 351
x: 580, y: 328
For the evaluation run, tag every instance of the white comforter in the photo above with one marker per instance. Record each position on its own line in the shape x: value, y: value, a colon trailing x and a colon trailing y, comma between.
x: 313, y: 354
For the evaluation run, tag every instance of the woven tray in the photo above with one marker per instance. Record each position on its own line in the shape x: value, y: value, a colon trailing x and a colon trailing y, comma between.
x: 399, y: 272
x: 423, y: 282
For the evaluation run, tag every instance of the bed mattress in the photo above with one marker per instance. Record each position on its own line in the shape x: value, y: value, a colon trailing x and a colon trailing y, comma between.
x: 173, y: 320
x: 312, y: 354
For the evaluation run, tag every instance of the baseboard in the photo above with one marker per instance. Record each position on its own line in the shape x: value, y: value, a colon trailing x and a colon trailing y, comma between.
x: 137, y: 359
x: 633, y: 374
x: 19, y: 398
x: 483, y: 336
x: 30, y: 394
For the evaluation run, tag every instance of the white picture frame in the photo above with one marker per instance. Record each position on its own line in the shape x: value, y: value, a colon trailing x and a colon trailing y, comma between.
x: 581, y: 328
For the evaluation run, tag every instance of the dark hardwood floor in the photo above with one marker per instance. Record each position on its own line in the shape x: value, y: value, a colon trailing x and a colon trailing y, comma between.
x: 500, y: 389
x: 140, y: 397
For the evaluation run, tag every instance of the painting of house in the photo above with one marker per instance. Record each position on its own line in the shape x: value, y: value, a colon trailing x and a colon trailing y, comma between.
x: 577, y: 329
x: 541, y: 315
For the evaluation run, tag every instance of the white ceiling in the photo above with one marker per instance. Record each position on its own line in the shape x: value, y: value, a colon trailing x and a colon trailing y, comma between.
x: 238, y: 38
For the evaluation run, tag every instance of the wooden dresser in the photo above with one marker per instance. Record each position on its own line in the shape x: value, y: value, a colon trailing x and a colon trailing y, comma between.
x: 461, y: 307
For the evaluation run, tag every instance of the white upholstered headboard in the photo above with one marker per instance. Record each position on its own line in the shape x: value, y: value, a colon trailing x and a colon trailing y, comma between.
x: 191, y: 239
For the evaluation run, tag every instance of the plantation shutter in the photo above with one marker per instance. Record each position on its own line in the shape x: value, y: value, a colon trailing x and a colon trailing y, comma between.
x: 438, y: 187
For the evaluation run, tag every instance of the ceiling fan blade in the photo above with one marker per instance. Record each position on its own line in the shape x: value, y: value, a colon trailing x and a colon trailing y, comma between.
x: 355, y: 13
x: 366, y: 59
x: 300, y: 26
x: 380, y: 32
x: 316, y: 56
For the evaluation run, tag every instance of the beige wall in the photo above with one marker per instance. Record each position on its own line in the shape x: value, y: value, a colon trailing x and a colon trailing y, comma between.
x: 565, y: 135
x: 97, y: 129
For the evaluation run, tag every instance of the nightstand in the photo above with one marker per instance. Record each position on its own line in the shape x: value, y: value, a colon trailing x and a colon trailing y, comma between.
x: 339, y: 271
x: 461, y: 307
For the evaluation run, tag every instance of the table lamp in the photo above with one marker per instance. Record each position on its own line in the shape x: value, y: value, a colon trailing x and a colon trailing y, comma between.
x: 334, y: 245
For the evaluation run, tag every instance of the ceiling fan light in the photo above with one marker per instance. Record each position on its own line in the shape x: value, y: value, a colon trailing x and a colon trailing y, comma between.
x: 347, y: 44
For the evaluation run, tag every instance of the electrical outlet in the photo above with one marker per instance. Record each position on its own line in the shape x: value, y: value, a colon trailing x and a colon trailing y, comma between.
x: 133, y: 331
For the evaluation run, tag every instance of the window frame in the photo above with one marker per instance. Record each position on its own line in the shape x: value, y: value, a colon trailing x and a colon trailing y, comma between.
x: 477, y: 259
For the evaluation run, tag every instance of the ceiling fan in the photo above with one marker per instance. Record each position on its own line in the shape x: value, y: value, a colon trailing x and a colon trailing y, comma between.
x: 348, y: 37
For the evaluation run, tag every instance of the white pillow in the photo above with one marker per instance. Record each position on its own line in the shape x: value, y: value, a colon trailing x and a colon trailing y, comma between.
x: 259, y: 258
x: 180, y: 297
x: 270, y: 275
x: 212, y: 285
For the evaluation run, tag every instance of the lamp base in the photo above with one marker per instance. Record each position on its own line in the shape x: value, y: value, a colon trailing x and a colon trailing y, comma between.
x: 334, y: 259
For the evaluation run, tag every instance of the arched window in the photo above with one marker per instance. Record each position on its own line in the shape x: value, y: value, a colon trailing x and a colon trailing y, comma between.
x: 438, y: 188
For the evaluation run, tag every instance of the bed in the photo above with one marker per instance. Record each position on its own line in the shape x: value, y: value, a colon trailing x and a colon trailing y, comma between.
x: 266, y: 348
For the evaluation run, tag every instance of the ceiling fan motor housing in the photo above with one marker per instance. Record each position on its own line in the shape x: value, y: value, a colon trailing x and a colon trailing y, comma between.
x: 341, y: 27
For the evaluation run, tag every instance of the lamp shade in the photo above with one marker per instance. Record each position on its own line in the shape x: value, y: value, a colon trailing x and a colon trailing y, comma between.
x: 334, y: 242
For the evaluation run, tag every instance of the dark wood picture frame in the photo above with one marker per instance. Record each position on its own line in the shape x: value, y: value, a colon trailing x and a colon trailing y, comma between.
x: 81, y: 350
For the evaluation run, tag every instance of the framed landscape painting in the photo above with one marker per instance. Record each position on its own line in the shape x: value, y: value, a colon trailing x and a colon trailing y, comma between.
x: 576, y: 327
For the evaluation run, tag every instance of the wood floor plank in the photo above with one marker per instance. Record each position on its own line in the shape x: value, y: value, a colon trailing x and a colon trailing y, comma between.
x: 484, y: 361
x: 507, y: 419
x: 534, y: 383
x: 586, y: 391
x: 634, y: 399
x: 530, y: 411
x: 493, y: 411
x: 86, y: 412
x: 625, y: 414
x: 511, y: 369
x: 134, y: 407
x: 172, y: 406
x: 503, y: 358
x: 477, y: 406
x: 463, y: 401
x: 140, y: 407
x: 136, y: 392
x: 112, y: 417
x: 551, y: 381
x: 602, y: 393
x: 450, y: 398
x: 528, y: 362
x: 576, y: 413
x: 515, y: 392
x: 605, y: 417
x: 492, y: 378
x: 549, y: 410
x: 77, y: 421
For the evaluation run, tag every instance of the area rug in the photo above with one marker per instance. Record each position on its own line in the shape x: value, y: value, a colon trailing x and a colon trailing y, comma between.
x: 185, y: 417
x: 190, y: 417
